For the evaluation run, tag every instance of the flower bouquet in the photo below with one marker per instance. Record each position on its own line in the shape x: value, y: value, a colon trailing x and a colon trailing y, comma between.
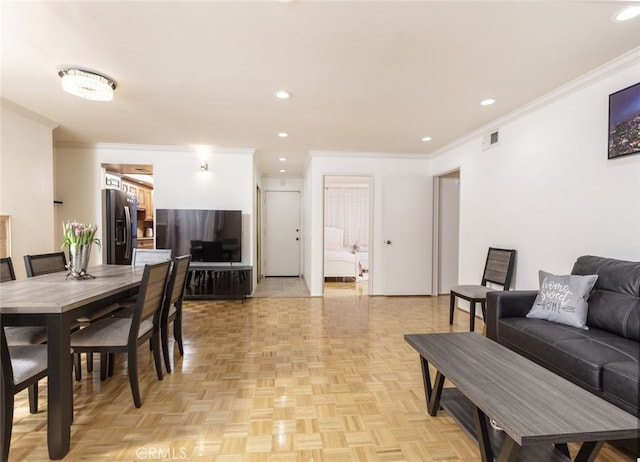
x: 79, y: 237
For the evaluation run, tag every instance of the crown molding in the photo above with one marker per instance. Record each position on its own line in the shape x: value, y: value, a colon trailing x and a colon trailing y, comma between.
x: 29, y: 114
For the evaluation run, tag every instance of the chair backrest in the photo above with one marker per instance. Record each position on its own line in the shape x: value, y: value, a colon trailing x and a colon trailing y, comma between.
x: 498, y: 268
x: 142, y: 257
x: 151, y: 295
x: 6, y: 270
x: 176, y: 284
x: 45, y: 263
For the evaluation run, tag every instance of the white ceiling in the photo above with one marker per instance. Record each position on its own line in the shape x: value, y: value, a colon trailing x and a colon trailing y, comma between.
x: 365, y: 76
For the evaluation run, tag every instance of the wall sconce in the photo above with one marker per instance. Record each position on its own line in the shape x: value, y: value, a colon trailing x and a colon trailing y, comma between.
x: 204, y: 166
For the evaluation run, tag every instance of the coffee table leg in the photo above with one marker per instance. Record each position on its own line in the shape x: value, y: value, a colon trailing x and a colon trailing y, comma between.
x: 482, y: 434
x: 434, y: 402
x: 588, y: 451
x: 426, y: 378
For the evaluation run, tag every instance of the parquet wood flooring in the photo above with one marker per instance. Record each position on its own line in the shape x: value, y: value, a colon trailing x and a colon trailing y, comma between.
x: 272, y: 379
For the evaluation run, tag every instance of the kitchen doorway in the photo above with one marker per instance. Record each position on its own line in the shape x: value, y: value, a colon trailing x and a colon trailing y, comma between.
x: 136, y: 181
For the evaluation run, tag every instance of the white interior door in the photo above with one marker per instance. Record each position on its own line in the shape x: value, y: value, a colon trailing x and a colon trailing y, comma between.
x: 282, y: 233
x: 407, y: 205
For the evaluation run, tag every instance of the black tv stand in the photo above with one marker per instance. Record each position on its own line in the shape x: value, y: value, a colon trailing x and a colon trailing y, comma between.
x: 211, y: 280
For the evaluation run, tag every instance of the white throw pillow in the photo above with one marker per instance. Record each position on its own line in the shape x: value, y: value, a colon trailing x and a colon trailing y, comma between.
x: 563, y: 299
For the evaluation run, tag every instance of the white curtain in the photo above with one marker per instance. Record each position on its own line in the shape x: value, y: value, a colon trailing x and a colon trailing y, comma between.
x: 348, y: 209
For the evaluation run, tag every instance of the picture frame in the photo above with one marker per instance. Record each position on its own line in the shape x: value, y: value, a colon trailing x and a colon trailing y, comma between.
x: 624, y: 122
x: 5, y: 236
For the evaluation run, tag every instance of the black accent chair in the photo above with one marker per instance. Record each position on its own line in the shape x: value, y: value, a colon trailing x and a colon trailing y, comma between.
x: 172, y: 309
x: 498, y: 269
x: 124, y: 333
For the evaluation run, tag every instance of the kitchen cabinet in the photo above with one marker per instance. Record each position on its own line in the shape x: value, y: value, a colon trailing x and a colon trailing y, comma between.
x: 145, y: 243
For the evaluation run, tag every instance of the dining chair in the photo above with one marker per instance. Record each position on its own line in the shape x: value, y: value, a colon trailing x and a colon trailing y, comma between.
x: 55, y: 262
x: 19, y: 335
x: 172, y: 307
x: 123, y: 334
x: 498, y: 269
x: 20, y: 367
x: 45, y: 263
x: 143, y: 256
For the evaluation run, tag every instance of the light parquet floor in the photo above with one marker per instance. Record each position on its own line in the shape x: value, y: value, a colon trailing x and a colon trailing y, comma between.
x: 273, y: 379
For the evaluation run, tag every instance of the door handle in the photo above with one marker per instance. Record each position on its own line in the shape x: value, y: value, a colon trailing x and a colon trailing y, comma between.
x: 388, y: 242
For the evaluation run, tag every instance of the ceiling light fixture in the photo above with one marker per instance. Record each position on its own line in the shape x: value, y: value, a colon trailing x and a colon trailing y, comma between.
x: 87, y: 84
x: 282, y: 159
x: 204, y: 166
x: 283, y: 170
x: 487, y: 102
x: 627, y: 13
x: 282, y: 94
x: 283, y: 134
x: 426, y: 138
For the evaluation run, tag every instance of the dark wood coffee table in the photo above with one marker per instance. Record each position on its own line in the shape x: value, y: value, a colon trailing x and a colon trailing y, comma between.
x: 538, y: 411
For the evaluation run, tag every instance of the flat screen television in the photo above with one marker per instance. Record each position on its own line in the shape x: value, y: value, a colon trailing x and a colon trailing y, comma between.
x: 208, y: 235
x: 624, y: 122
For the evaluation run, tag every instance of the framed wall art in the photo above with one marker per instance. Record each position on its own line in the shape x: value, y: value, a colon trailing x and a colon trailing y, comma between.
x: 624, y: 122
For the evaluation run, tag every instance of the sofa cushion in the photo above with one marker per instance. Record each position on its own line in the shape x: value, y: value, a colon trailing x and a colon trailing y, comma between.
x: 563, y: 299
x: 620, y: 380
x: 614, y: 303
x: 573, y: 353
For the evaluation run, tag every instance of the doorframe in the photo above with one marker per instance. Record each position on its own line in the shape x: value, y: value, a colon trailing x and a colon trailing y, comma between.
x: 300, y: 227
x: 436, y: 241
x: 370, y: 256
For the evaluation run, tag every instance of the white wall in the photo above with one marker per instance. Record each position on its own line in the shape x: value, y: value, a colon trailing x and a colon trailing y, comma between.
x: 547, y: 189
x: 178, y: 181
x: 377, y: 166
x: 26, y: 182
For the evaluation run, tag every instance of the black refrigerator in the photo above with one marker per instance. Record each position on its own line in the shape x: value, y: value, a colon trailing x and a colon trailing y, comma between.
x: 120, y: 226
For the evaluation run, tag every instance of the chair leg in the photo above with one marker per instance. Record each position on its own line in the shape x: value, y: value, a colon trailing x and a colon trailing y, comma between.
x: 452, y: 304
x: 77, y: 366
x: 89, y: 362
x: 164, y: 340
x: 472, y: 316
x: 6, y: 424
x: 177, y: 331
x: 483, y: 307
x: 111, y: 363
x: 33, y: 398
x: 104, y: 363
x: 157, y: 359
x: 132, y: 362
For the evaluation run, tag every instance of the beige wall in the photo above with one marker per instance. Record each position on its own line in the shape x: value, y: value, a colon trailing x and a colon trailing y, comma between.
x: 26, y: 182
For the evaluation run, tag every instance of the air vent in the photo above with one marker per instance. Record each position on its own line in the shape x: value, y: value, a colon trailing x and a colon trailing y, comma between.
x: 490, y: 139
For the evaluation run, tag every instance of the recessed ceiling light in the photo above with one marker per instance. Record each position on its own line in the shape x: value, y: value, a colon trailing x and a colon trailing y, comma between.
x: 627, y: 13
x: 283, y: 134
x: 87, y: 84
x: 487, y: 102
x: 282, y: 94
x: 426, y: 138
x: 283, y: 170
x: 282, y: 159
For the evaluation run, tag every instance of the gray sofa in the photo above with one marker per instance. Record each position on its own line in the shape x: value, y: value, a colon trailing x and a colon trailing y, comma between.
x: 605, y: 359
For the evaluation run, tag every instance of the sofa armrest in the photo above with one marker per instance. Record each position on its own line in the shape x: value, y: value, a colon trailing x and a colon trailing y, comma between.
x: 507, y: 304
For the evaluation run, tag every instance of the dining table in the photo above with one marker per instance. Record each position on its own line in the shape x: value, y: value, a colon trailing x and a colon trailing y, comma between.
x: 56, y: 300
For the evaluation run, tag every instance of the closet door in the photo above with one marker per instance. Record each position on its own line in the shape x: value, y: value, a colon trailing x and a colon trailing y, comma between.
x: 407, y: 206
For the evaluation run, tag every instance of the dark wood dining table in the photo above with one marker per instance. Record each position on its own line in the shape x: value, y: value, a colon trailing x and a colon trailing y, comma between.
x: 55, y: 301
